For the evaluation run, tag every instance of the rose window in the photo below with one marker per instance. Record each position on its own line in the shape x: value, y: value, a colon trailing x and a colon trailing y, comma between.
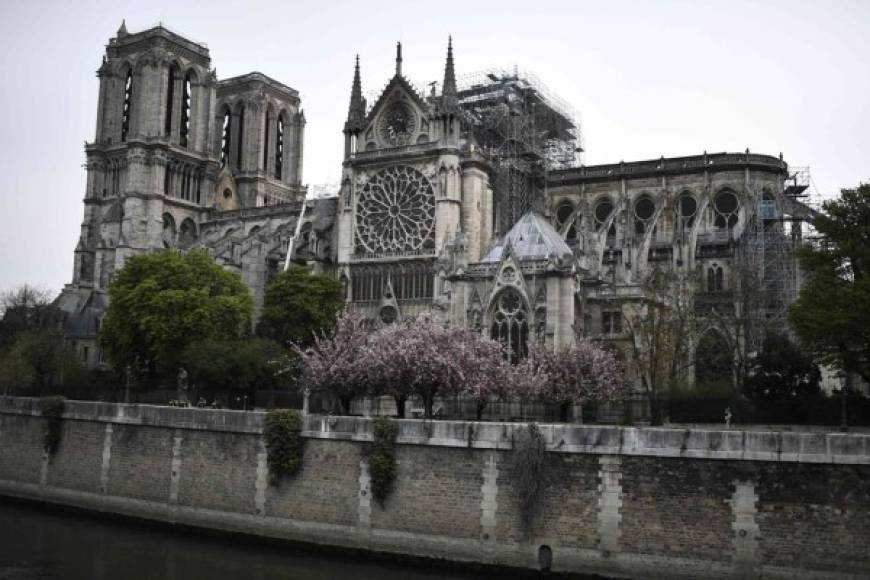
x: 395, y: 213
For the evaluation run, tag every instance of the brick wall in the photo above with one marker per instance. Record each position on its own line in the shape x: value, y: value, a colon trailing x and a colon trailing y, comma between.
x: 627, y: 502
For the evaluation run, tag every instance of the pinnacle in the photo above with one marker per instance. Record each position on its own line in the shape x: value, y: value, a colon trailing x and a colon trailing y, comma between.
x: 122, y: 30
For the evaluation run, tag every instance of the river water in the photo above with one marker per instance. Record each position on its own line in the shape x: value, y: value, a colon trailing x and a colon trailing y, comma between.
x: 38, y: 543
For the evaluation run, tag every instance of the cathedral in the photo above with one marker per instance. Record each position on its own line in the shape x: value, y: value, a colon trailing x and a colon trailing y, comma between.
x: 467, y: 201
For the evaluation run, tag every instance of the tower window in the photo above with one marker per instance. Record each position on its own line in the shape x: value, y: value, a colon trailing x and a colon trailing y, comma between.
x: 226, y: 139
x: 128, y: 105
x: 170, y: 99
x: 279, y: 146
x: 185, y: 111
x: 240, y: 140
x: 266, y: 144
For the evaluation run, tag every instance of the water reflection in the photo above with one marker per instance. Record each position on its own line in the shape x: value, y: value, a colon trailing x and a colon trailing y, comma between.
x: 39, y: 544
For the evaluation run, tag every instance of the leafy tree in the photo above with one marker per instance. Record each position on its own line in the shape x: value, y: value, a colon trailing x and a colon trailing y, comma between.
x: 784, y: 381
x: 161, y: 302
x: 832, y: 313
x: 34, y: 361
x: 337, y: 362
x: 577, y: 374
x: 298, y: 305
x: 226, y: 366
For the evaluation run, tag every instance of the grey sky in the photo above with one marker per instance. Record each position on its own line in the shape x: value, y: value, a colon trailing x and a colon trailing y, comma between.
x: 647, y: 79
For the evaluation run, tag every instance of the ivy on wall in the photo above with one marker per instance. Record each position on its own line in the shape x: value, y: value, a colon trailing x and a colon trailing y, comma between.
x: 51, y: 409
x: 530, y: 472
x: 285, y: 446
x: 382, y: 459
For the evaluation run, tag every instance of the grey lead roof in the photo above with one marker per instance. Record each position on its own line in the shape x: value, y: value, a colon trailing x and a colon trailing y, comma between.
x: 531, y: 238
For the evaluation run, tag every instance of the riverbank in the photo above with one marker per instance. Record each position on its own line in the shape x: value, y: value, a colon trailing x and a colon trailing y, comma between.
x: 625, y: 502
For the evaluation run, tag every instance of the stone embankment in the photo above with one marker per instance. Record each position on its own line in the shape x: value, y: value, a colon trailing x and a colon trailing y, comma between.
x: 628, y: 502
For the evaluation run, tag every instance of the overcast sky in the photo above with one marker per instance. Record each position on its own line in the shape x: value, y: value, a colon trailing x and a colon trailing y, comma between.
x: 646, y: 79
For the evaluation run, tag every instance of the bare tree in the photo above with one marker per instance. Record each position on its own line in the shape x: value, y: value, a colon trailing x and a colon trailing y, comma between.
x: 659, y: 327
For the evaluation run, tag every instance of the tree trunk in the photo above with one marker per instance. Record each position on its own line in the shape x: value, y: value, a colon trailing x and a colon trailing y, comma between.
x: 344, y: 401
x: 563, y: 411
x: 400, y: 406
x: 428, y: 401
x: 481, y: 405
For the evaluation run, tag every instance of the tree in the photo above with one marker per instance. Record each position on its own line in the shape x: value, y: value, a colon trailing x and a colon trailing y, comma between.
x: 337, y: 362
x: 784, y: 381
x: 228, y: 366
x: 27, y: 308
x: 659, y: 328
x: 162, y: 302
x: 577, y: 374
x: 832, y: 313
x: 298, y: 305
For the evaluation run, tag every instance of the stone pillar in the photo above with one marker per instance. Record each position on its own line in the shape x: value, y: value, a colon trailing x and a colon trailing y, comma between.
x: 609, y: 503
x: 746, y: 532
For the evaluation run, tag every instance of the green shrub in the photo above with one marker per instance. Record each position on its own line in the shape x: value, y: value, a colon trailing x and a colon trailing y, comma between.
x: 285, y: 445
x: 51, y: 409
x: 382, y: 460
x: 530, y: 472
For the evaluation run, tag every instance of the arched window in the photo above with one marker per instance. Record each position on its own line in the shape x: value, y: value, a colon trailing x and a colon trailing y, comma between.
x: 128, y: 105
x: 720, y: 279
x: 279, y: 146
x: 563, y: 213
x: 686, y: 209
x: 644, y: 209
x: 266, y: 140
x: 185, y: 111
x: 170, y: 98
x: 226, y: 139
x: 725, y: 207
x: 187, y: 234
x: 168, y: 231
x: 510, y: 323
x: 603, y: 209
x: 240, y: 141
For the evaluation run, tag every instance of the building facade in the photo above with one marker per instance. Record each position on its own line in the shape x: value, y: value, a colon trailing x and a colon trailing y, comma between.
x: 468, y: 202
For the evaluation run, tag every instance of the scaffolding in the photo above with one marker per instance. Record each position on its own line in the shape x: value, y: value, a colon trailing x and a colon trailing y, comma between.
x: 776, y: 227
x: 525, y: 130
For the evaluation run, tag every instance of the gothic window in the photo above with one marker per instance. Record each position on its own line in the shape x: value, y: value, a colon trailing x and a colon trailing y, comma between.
x: 686, y: 209
x: 187, y: 234
x: 240, y: 143
x: 410, y: 281
x: 279, y: 146
x: 226, y: 139
x: 395, y: 213
x: 644, y: 209
x: 603, y: 209
x: 715, y: 279
x: 510, y: 323
x: 725, y: 208
x: 266, y: 140
x: 611, y: 322
x: 185, y: 111
x: 168, y: 231
x: 170, y: 98
x: 128, y: 105
x: 563, y: 213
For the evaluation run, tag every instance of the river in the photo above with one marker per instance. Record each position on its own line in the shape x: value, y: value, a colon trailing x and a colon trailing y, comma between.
x: 38, y: 543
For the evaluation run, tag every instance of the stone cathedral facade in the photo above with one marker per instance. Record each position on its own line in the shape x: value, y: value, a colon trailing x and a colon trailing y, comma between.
x: 449, y: 202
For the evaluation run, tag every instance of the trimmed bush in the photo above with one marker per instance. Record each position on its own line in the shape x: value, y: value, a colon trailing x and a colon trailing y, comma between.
x: 285, y: 446
x: 51, y: 409
x: 382, y: 460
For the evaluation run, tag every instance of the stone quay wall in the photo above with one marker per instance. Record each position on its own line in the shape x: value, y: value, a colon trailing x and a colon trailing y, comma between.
x: 621, y: 502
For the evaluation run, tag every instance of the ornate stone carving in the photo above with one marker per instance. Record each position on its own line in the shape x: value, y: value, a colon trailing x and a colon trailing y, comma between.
x: 395, y: 213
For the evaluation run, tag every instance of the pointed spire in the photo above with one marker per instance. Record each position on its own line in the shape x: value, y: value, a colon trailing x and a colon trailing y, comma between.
x: 449, y: 95
x: 122, y: 30
x: 357, y: 111
x: 398, y: 59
